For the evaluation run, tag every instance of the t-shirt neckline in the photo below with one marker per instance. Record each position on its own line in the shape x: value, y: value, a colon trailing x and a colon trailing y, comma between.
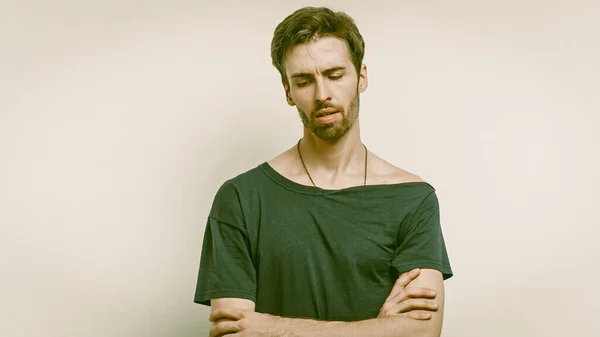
x: 281, y: 179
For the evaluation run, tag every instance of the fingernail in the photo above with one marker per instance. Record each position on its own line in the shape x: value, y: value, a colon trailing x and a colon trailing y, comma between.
x: 432, y: 293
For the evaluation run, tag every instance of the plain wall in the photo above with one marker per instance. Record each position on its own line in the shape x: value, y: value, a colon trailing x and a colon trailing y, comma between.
x: 120, y: 119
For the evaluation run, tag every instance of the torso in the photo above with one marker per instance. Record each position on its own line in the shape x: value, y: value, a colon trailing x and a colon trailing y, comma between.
x: 330, y: 255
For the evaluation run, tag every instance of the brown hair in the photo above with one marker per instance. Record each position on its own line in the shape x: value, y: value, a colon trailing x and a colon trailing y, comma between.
x: 311, y: 23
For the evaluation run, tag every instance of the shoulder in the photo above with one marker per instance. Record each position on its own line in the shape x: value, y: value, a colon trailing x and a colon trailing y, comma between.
x: 245, y: 179
x: 240, y: 186
x: 383, y: 172
x: 235, y: 195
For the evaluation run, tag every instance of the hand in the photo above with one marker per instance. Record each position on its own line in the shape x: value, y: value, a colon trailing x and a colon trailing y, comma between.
x: 409, y: 301
x: 242, y: 323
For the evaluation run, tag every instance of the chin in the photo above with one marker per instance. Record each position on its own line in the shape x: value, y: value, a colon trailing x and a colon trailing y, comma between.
x: 330, y: 134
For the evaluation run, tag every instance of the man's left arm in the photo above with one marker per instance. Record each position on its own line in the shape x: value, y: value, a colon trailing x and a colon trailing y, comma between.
x: 246, y: 323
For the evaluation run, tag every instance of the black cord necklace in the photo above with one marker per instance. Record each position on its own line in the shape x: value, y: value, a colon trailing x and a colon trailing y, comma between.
x: 308, y: 174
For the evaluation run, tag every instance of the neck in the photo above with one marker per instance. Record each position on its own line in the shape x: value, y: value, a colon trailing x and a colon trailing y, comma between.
x: 330, y: 158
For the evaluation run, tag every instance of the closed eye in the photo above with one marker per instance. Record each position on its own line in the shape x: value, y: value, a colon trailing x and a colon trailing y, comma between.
x: 304, y: 83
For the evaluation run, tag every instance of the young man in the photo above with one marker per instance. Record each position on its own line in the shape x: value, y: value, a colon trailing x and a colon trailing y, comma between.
x: 326, y: 239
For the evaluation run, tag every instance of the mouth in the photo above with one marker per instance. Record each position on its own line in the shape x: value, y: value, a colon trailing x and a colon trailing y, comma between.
x: 328, y: 117
x: 326, y: 112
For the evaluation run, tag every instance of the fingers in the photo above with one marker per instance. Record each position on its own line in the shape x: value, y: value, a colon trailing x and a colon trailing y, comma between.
x: 418, y: 315
x: 409, y: 306
x: 224, y: 328
x: 403, y: 281
x: 410, y: 299
x: 415, y: 304
x: 230, y: 313
x: 219, y: 320
x: 416, y: 292
x: 413, y: 292
x: 413, y: 308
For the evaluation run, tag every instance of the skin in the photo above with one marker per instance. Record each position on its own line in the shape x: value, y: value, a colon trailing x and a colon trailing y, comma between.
x: 237, y: 318
x: 321, y: 75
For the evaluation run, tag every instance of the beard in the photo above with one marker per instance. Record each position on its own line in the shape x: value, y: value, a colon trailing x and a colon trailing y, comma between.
x: 335, y: 130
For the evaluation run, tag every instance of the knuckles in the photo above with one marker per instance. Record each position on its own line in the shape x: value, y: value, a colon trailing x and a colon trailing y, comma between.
x: 387, y: 312
x: 385, y: 307
x: 243, y: 324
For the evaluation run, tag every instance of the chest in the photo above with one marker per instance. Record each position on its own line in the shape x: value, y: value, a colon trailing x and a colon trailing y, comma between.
x: 327, y: 237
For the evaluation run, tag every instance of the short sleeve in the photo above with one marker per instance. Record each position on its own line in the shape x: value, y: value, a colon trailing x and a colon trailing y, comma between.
x: 226, y: 267
x: 421, y: 241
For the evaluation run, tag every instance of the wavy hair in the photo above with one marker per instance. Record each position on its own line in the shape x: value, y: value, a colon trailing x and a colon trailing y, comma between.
x: 312, y: 23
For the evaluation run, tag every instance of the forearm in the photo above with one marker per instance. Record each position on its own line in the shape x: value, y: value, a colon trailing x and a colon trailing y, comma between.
x: 396, y: 326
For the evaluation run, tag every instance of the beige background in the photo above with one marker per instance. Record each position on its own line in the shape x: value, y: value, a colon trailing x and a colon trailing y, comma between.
x: 120, y: 119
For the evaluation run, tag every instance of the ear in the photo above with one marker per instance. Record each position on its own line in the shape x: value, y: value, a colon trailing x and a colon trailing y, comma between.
x: 288, y: 95
x: 363, y: 81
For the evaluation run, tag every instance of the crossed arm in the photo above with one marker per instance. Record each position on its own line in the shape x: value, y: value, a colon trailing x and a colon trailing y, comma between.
x: 397, y: 318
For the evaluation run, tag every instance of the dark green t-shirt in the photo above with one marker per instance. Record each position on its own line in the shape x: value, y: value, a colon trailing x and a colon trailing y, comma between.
x: 305, y: 252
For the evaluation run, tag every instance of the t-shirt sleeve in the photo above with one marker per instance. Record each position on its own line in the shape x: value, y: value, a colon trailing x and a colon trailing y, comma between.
x: 421, y: 241
x: 226, y: 267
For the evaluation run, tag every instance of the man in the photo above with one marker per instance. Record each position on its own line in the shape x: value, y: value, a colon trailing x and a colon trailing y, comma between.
x: 327, y: 238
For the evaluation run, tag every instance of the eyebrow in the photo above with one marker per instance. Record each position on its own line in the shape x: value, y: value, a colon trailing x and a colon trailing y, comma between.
x: 327, y: 71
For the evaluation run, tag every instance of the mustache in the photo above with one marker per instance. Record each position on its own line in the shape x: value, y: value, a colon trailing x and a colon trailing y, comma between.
x: 326, y: 105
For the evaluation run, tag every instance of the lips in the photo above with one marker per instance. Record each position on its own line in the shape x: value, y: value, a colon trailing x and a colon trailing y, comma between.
x: 326, y: 112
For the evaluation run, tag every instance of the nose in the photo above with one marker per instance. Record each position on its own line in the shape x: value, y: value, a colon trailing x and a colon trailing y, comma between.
x: 322, y: 92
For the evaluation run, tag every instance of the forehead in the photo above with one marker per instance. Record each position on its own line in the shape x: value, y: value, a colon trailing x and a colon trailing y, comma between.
x: 316, y: 56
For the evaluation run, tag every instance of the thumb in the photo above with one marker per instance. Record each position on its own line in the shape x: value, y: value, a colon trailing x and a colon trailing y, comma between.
x: 403, y: 281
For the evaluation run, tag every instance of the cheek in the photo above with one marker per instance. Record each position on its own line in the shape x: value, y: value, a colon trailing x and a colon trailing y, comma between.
x: 346, y: 91
x: 303, y: 102
x: 347, y: 101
